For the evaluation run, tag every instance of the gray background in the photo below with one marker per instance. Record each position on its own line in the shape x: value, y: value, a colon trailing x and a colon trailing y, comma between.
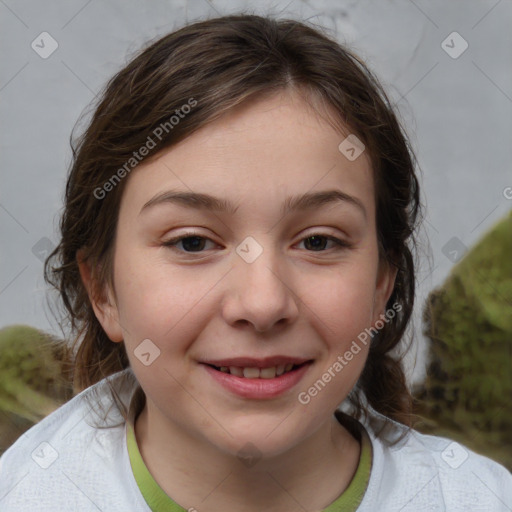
x: 458, y: 113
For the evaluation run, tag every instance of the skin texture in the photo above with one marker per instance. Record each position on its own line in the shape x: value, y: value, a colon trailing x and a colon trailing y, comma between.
x: 292, y: 300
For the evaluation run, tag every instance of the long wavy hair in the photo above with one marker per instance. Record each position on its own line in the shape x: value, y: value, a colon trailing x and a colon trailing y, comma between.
x: 218, y: 64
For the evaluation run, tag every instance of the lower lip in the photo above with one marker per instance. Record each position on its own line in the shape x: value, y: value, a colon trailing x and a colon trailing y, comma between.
x: 258, y: 389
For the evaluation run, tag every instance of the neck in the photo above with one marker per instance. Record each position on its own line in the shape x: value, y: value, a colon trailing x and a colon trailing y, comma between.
x: 197, y: 475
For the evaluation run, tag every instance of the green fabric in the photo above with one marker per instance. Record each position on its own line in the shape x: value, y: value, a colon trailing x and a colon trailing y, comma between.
x: 155, y: 497
x: 351, y: 498
x: 158, y: 501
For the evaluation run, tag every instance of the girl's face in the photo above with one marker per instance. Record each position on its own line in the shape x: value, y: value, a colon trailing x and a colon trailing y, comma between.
x: 277, y: 268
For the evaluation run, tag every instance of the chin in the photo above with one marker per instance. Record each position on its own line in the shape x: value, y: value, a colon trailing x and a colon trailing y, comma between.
x: 259, y: 437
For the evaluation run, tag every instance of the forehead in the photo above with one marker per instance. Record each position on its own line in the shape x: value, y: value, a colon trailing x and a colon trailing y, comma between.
x: 257, y: 154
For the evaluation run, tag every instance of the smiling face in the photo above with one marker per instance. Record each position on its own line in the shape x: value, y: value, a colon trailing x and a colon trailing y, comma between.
x: 276, y: 274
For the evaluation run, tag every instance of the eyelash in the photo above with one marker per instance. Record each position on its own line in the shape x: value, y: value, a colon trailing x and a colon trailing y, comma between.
x: 171, y: 243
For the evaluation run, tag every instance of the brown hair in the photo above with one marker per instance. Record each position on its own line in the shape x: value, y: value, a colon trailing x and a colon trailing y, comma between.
x: 218, y: 64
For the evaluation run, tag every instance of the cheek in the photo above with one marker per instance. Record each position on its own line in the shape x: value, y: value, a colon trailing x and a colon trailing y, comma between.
x: 154, y: 304
x: 342, y: 303
x: 154, y: 299
x: 341, y: 311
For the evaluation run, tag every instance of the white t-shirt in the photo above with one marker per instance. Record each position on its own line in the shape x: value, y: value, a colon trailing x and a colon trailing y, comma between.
x: 65, y: 463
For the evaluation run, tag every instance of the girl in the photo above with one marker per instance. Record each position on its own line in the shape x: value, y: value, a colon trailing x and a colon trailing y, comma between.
x: 236, y: 262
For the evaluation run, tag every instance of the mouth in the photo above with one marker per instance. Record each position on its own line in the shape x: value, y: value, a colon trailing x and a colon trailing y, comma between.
x: 255, y: 372
x: 258, y: 378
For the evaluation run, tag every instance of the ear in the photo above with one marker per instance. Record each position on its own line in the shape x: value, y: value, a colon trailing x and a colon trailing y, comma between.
x: 102, y: 300
x: 386, y: 277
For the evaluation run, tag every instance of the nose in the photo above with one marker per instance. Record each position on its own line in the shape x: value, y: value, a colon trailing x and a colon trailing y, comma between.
x: 260, y: 294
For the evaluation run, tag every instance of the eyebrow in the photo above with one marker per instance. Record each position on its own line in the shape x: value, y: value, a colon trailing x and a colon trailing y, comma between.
x: 199, y: 201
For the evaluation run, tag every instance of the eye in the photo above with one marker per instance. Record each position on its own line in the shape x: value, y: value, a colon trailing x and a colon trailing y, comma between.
x: 194, y: 243
x: 318, y: 241
x: 191, y: 242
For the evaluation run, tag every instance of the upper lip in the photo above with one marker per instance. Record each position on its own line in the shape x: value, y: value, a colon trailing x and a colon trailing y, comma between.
x: 251, y: 362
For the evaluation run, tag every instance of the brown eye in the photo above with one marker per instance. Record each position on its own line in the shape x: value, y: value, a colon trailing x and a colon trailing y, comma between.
x: 190, y: 243
x: 317, y: 242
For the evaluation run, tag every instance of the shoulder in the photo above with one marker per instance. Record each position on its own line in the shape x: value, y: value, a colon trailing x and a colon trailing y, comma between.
x: 68, y: 458
x: 415, y: 471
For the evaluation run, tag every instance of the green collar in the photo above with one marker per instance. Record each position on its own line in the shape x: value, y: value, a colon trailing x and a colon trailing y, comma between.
x: 155, y: 497
x: 159, y: 501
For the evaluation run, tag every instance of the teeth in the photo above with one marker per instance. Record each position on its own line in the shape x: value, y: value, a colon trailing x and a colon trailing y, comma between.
x: 257, y: 373
x: 235, y: 370
x: 251, y: 373
x: 268, y: 373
